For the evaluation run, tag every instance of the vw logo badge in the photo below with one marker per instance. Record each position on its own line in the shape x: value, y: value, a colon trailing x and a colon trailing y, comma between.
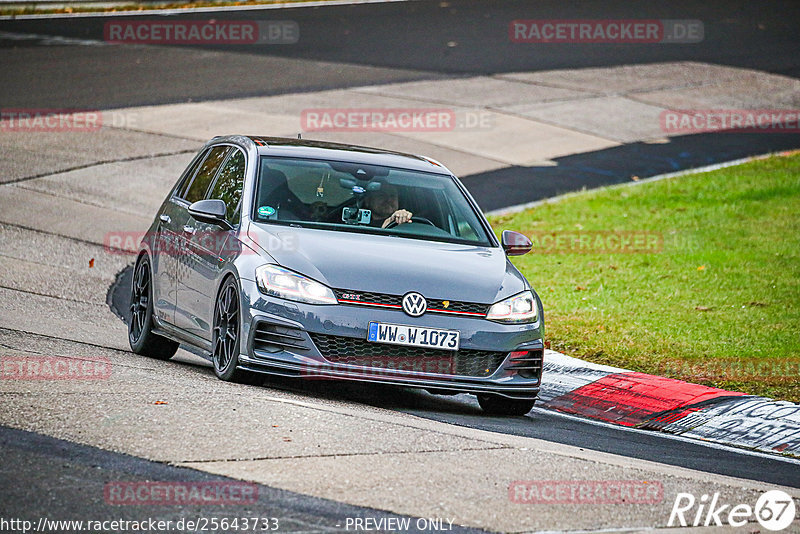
x: 414, y: 304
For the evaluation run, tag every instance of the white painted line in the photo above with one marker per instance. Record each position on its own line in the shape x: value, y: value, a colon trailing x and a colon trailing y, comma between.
x: 50, y: 40
x: 600, y: 531
x: 709, y: 444
x: 552, y: 200
x: 190, y: 10
x: 559, y: 358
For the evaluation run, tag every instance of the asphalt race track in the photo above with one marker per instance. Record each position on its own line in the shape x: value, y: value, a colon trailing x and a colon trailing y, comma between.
x: 350, y: 46
x: 345, y: 47
x: 90, y: 468
x: 380, y: 43
x: 542, y: 424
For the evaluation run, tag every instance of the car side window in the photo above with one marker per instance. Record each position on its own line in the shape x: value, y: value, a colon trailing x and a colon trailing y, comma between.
x: 230, y: 183
x: 197, y: 190
x: 188, y: 174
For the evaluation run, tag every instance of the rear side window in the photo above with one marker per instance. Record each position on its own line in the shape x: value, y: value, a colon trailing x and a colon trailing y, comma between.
x: 186, y: 177
x: 230, y: 183
x: 197, y: 191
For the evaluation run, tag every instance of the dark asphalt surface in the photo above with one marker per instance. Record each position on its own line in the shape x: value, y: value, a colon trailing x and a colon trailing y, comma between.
x: 376, y: 43
x: 518, y: 185
x: 44, y: 477
x: 348, y: 46
x: 344, y: 46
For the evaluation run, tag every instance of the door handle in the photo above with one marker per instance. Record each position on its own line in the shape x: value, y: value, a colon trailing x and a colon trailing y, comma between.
x: 165, y: 218
x: 189, y: 229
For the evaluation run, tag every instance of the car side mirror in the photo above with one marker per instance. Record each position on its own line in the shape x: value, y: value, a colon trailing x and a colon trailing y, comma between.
x: 212, y: 210
x: 515, y: 243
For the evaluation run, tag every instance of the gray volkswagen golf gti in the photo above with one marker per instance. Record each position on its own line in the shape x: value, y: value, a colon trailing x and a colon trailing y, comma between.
x: 327, y: 261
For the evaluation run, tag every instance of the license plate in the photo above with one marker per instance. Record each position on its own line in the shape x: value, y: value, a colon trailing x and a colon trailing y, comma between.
x: 413, y: 336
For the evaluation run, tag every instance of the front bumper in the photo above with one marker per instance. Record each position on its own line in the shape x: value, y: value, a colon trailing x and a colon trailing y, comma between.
x: 292, y: 339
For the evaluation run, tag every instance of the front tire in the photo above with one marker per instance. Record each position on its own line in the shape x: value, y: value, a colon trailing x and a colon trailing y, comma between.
x: 225, y: 338
x: 140, y: 327
x: 496, y: 405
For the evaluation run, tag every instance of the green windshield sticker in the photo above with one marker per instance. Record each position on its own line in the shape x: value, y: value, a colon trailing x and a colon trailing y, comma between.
x: 266, y: 211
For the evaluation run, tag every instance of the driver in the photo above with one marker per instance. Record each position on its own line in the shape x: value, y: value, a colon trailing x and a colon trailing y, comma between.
x: 384, y: 205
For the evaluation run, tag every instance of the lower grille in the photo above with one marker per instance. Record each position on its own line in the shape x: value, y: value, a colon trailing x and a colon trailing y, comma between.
x: 271, y: 337
x: 354, y: 351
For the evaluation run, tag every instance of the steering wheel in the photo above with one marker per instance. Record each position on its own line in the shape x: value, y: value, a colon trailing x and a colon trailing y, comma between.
x: 414, y: 219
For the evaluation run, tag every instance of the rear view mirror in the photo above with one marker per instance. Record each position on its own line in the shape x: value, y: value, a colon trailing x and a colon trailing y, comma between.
x: 213, y: 211
x: 359, y: 170
x: 515, y: 243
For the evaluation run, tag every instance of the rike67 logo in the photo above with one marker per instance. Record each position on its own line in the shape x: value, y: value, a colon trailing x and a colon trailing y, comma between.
x: 774, y: 510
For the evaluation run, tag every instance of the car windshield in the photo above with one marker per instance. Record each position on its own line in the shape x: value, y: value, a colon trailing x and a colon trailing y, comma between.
x: 353, y: 197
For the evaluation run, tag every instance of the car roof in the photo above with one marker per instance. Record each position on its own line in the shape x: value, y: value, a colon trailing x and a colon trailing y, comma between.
x: 306, y: 148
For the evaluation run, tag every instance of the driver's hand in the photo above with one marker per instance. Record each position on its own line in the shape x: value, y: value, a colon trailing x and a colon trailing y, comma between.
x: 399, y: 217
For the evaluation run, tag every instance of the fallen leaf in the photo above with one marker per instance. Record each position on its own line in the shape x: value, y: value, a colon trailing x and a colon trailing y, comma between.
x: 91, y: 263
x: 702, y: 308
x: 701, y: 268
x: 580, y: 288
x: 160, y: 402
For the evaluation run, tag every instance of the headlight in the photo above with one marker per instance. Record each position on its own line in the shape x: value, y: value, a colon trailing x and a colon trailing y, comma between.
x: 520, y: 308
x: 285, y: 284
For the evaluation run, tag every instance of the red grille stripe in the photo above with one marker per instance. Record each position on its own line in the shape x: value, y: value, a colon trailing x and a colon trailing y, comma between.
x: 369, y: 303
x: 456, y: 312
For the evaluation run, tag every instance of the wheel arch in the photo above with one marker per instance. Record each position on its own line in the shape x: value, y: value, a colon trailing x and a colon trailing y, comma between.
x: 231, y: 273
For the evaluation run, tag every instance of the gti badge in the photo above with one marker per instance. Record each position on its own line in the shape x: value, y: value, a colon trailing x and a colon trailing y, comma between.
x: 414, y: 304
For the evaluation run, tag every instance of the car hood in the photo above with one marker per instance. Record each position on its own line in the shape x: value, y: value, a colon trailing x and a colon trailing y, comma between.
x: 394, y: 265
